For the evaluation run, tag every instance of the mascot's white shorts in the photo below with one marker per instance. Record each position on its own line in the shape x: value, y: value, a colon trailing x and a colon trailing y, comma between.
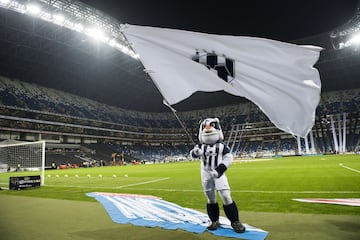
x: 210, y: 183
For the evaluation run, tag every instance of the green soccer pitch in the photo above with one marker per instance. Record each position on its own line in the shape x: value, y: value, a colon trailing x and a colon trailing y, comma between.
x: 259, y: 187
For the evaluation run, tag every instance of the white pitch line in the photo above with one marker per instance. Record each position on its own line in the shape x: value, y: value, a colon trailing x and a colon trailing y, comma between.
x: 200, y: 190
x: 248, y: 191
x: 349, y: 168
x: 295, y: 192
x: 78, y: 186
x: 123, y: 186
x: 253, y: 160
x: 141, y: 183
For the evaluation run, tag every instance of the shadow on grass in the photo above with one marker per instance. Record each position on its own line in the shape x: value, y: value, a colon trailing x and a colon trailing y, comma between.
x: 346, y: 226
x: 130, y: 232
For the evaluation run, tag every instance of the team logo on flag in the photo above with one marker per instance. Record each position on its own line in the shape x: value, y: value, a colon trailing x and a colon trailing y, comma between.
x: 151, y: 211
x: 224, y: 67
x: 278, y: 77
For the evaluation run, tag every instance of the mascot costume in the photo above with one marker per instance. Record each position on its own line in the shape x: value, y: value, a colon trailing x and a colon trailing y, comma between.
x: 216, y: 158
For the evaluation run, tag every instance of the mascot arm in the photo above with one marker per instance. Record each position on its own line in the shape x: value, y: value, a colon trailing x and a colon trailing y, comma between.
x: 226, y: 162
x: 227, y: 159
x: 219, y: 170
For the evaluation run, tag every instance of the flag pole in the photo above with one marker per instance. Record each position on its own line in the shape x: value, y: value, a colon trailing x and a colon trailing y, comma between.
x: 165, y: 102
x: 179, y: 120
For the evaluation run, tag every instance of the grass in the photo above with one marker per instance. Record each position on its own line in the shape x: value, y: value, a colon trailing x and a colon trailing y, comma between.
x: 263, y: 191
x: 260, y: 186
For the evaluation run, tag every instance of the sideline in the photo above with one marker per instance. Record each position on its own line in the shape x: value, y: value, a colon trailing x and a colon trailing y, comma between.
x: 247, y: 191
x: 141, y: 183
x: 239, y: 160
x: 118, y: 187
x: 349, y: 168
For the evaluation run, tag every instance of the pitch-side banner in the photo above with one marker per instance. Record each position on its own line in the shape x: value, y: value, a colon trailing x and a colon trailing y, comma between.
x: 279, y: 77
x: 151, y: 211
x: 354, y: 202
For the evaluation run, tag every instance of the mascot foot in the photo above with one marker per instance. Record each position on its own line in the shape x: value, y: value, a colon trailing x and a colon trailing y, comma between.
x: 213, y: 226
x: 238, y: 227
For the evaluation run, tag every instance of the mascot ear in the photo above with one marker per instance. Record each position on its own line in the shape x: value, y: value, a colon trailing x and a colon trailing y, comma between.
x: 218, y: 121
x: 221, y: 134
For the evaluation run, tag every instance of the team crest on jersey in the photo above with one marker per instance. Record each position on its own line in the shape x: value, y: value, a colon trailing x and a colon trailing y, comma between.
x: 224, y: 67
x: 151, y: 211
x: 210, y: 153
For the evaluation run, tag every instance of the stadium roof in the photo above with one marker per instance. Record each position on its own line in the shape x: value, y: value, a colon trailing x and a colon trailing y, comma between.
x: 38, y: 51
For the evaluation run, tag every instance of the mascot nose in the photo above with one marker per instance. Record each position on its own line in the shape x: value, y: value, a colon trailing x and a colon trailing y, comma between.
x: 208, y: 128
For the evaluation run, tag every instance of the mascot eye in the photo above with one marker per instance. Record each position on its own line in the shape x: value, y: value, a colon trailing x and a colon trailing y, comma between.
x: 215, y: 125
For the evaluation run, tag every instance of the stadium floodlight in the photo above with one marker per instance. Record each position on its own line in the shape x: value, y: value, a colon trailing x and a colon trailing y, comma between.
x: 46, y: 16
x: 75, y: 15
x: 346, y: 35
x: 354, y: 40
x: 112, y: 42
x: 78, y: 27
x: 58, y: 19
x: 96, y: 34
x: 33, y: 9
x: 13, y: 5
x: 4, y: 2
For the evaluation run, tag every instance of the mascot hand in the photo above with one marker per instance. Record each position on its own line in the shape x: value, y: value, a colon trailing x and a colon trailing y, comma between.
x: 219, y: 171
x: 197, y: 151
x: 214, y: 173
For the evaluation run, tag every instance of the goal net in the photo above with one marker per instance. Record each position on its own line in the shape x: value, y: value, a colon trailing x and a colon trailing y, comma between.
x: 29, y: 156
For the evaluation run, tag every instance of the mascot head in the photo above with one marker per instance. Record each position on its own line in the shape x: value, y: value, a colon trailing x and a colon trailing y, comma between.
x: 210, y: 131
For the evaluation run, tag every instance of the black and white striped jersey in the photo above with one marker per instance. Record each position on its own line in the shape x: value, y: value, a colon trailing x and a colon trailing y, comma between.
x: 215, y: 154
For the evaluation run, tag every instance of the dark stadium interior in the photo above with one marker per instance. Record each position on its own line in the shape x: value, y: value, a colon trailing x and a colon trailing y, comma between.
x: 91, y: 100
x: 35, y: 51
x: 89, y: 150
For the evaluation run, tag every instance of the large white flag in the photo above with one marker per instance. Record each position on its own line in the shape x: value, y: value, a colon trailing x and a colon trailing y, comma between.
x: 278, y: 77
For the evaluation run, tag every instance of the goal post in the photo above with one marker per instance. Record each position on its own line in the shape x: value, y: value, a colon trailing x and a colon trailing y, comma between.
x: 23, y: 156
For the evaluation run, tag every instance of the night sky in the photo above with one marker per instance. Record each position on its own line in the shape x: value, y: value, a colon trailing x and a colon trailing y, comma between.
x: 279, y: 20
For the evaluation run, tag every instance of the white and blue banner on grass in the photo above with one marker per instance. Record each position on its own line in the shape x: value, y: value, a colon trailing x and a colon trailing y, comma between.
x: 151, y: 211
x: 354, y: 202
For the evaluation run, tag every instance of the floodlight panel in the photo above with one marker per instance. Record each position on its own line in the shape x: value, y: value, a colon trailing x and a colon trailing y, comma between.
x: 78, y: 27
x: 33, y: 8
x: 17, y: 7
x: 4, y: 2
x: 355, y: 39
x: 59, y: 18
x: 75, y: 15
x: 46, y: 16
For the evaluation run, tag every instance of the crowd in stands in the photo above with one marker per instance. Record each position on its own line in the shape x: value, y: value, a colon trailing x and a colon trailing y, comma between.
x: 32, y: 97
x: 158, y: 136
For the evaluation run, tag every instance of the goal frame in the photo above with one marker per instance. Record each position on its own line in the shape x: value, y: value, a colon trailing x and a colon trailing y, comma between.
x: 42, y: 142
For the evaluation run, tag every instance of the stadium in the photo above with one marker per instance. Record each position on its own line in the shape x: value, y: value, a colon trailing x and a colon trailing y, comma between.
x: 79, y: 110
